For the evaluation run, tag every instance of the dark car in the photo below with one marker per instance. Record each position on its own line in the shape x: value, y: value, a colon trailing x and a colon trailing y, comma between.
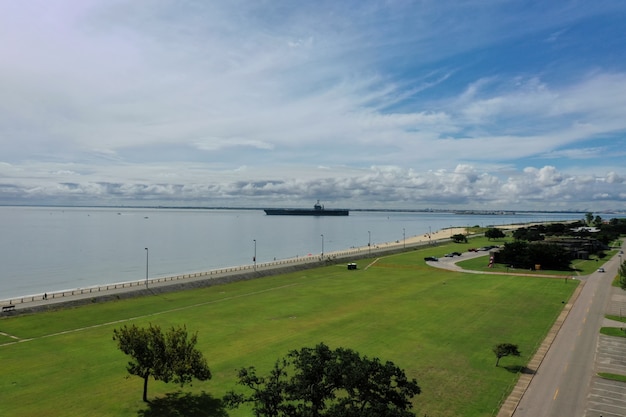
x: 431, y: 258
x: 456, y: 254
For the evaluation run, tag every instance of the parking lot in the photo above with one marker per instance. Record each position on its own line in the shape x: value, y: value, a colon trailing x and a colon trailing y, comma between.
x: 608, y: 398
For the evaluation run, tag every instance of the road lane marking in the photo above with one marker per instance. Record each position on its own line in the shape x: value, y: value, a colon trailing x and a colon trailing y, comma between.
x: 556, y: 394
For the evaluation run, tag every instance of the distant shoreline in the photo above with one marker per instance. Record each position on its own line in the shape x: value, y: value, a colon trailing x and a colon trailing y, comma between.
x: 184, y: 242
x: 476, y: 212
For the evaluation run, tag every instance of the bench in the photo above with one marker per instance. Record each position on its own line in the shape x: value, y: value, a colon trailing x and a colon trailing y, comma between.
x: 8, y: 308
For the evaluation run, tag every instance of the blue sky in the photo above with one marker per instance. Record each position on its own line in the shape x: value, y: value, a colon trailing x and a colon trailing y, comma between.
x: 479, y: 104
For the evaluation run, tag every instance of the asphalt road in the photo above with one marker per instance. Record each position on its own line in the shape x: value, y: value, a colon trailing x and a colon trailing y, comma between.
x: 562, y: 383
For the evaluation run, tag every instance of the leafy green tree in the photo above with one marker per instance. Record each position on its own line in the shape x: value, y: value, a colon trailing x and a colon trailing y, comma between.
x: 556, y: 229
x: 515, y: 254
x: 459, y: 238
x: 530, y: 235
x: 268, y: 393
x: 526, y: 255
x: 597, y: 221
x: 588, y: 218
x: 505, y: 349
x: 549, y: 256
x: 169, y: 356
x: 494, y: 233
x: 374, y: 389
x: 325, y: 383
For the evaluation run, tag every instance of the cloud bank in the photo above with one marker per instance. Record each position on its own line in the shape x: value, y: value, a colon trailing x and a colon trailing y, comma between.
x: 483, y: 105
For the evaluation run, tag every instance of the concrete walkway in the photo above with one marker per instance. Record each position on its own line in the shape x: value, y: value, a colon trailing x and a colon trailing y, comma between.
x: 79, y: 296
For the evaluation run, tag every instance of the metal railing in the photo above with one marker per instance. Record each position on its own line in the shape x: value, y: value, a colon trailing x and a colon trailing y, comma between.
x: 359, y: 252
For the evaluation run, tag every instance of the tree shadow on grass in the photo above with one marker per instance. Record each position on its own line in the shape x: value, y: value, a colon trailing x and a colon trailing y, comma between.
x: 519, y: 369
x: 179, y: 404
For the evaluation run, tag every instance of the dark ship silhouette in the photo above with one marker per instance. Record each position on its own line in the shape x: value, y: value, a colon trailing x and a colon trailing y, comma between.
x: 318, y: 210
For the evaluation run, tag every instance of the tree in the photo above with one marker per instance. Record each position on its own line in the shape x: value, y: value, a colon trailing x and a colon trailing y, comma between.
x: 169, y: 356
x: 522, y: 254
x: 268, y: 393
x: 530, y: 235
x: 588, y: 218
x: 549, y: 256
x: 505, y: 349
x: 494, y: 233
x: 373, y: 388
x: 325, y: 382
x: 459, y: 238
x: 555, y: 229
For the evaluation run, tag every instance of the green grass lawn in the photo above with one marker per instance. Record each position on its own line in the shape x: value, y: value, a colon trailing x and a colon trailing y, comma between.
x: 613, y: 331
x: 612, y: 377
x: 438, y: 325
x: 616, y: 318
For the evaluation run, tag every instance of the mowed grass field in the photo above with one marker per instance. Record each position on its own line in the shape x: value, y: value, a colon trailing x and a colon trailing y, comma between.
x: 439, y: 326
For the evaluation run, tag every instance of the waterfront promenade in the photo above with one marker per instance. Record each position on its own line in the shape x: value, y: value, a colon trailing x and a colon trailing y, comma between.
x: 199, y: 279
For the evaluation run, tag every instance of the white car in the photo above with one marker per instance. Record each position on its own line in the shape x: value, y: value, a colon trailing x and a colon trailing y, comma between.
x: 600, y: 269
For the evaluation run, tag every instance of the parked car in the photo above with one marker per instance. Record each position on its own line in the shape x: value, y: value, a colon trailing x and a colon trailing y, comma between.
x: 456, y: 254
x: 431, y: 258
x: 600, y: 269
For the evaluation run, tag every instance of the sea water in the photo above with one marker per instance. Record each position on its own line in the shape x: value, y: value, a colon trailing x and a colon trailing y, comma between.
x: 46, y: 249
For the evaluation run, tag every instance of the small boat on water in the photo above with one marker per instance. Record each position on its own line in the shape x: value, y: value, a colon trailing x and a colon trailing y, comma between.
x: 318, y: 210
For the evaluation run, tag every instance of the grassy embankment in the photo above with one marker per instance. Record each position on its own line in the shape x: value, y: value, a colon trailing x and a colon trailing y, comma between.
x: 437, y: 325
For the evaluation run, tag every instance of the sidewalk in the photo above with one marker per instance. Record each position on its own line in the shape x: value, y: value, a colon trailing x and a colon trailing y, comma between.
x: 78, y: 296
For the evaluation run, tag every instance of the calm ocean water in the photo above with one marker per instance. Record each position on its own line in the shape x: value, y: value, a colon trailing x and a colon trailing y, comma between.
x: 45, y: 249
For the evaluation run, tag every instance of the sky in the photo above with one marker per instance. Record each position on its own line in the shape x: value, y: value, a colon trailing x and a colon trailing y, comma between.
x: 426, y: 104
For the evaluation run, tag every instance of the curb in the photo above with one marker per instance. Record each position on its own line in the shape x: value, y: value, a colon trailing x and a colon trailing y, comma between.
x: 510, y: 404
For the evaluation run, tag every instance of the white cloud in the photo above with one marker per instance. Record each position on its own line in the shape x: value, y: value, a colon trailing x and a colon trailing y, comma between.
x: 464, y: 187
x: 614, y: 178
x: 362, y: 101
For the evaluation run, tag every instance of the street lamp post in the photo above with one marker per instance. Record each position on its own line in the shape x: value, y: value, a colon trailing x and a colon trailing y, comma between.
x: 322, y: 246
x: 369, y: 242
x: 404, y: 238
x: 147, y: 252
x: 254, y: 258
